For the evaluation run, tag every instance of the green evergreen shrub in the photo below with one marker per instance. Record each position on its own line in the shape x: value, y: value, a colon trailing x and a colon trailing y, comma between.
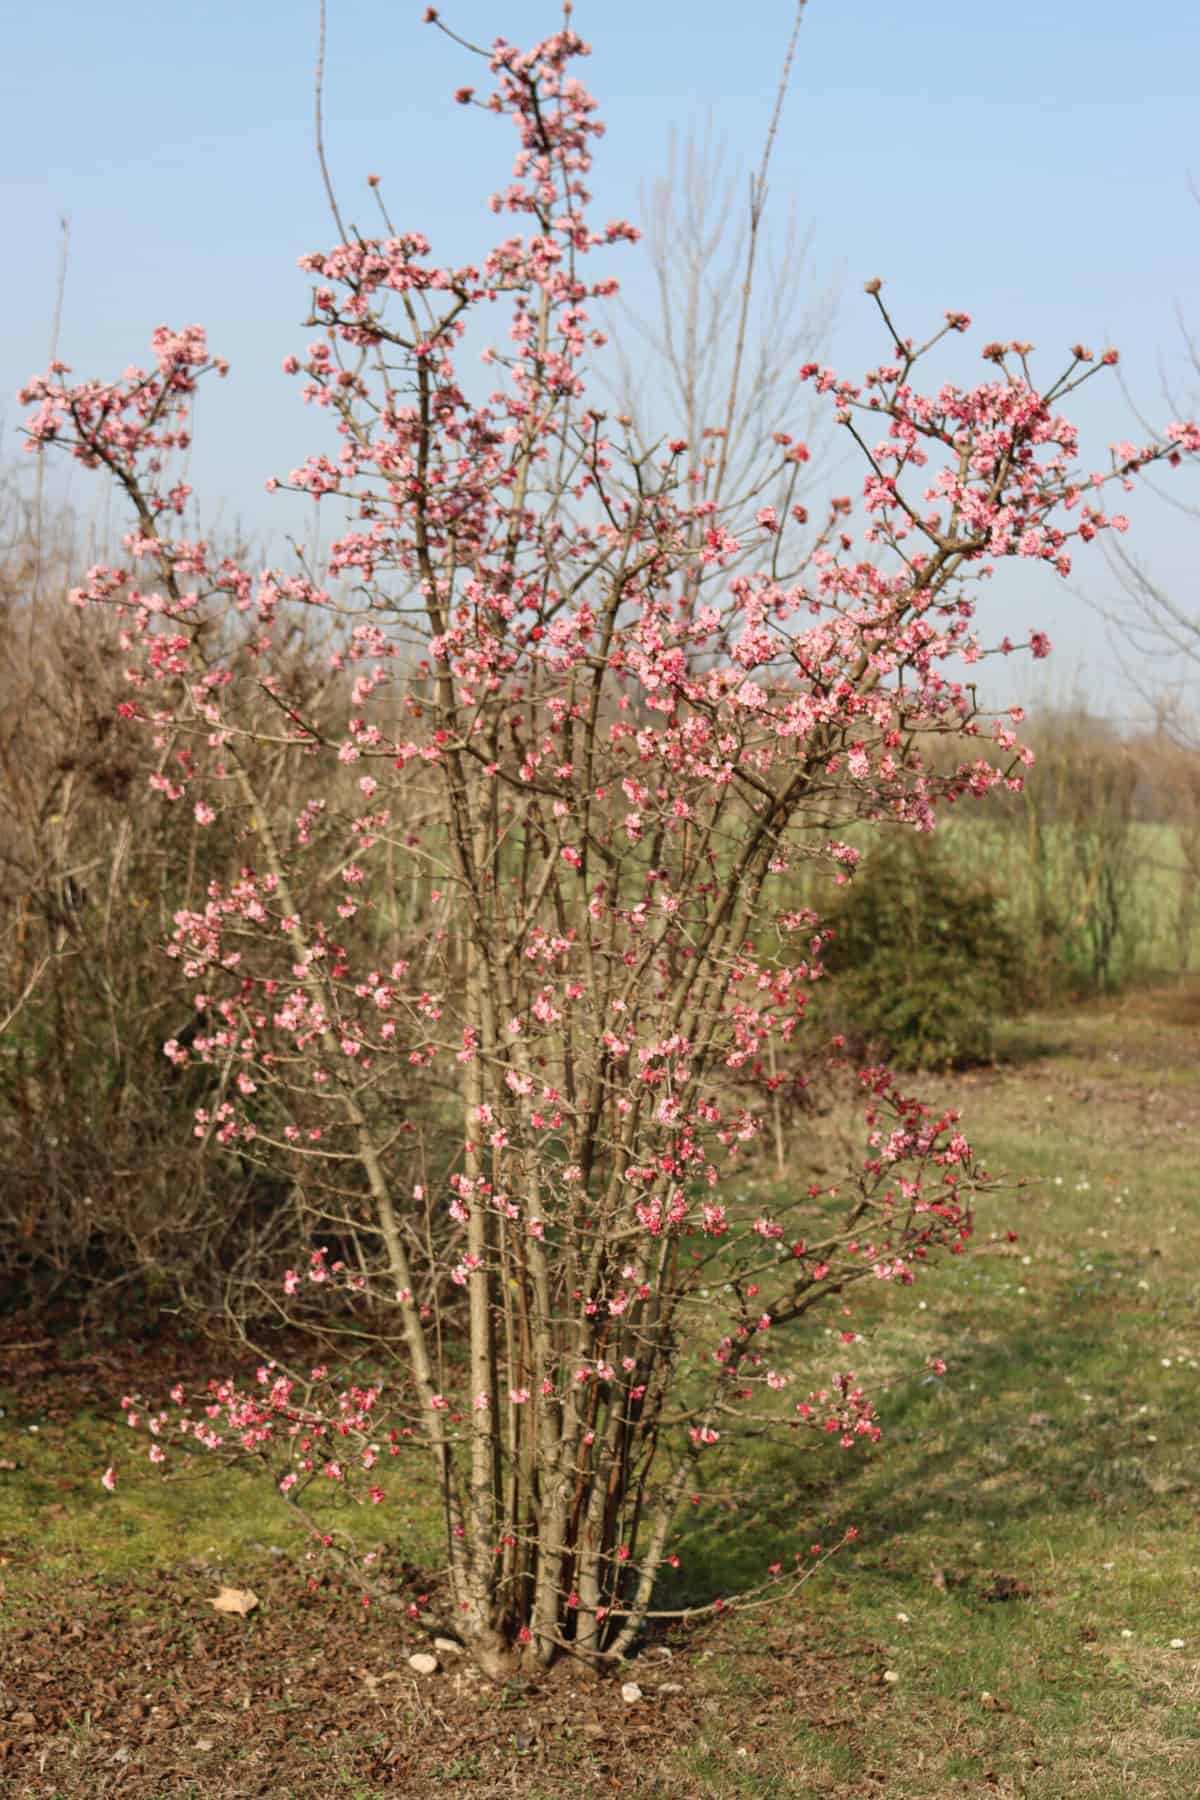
x: 924, y: 960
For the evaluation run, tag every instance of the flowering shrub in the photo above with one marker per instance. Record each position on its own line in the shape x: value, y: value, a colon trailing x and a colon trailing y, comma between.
x: 593, y: 726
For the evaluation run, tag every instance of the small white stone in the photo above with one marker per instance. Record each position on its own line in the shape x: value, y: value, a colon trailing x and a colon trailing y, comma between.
x: 423, y: 1663
x: 891, y: 1675
x: 447, y: 1646
x: 630, y: 1692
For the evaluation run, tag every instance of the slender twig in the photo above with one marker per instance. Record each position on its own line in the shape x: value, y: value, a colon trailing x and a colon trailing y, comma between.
x: 60, y: 287
x: 318, y: 122
x: 758, y: 197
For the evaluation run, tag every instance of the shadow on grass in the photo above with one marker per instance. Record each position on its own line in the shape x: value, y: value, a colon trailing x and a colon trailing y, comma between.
x: 1020, y: 1043
x: 1029, y: 1433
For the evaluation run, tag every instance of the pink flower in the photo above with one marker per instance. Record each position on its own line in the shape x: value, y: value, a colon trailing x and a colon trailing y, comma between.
x: 109, y: 1479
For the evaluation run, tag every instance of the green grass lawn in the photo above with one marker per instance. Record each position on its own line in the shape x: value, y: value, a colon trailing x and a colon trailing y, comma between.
x: 1021, y: 1612
x: 1027, y: 1572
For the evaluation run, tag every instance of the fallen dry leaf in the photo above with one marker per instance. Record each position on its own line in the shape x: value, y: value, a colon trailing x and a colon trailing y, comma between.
x: 233, y: 1600
x: 1007, y: 1587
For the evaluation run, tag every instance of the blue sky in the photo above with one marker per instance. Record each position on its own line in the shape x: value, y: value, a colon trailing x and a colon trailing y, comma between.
x: 1030, y: 164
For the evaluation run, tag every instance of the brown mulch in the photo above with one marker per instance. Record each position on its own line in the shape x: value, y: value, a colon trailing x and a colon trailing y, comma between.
x: 139, y: 1689
x: 62, y: 1358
